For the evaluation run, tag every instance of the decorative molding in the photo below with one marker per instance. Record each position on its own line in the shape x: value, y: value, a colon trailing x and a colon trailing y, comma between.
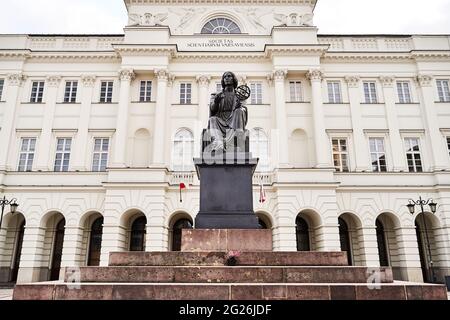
x: 220, y: 56
x: 310, y: 3
x: 242, y: 79
x: 369, y: 57
x: 279, y: 75
x: 74, y: 56
x: 14, y: 54
x: 170, y: 80
x: 314, y: 75
x: 162, y: 74
x: 127, y: 75
x: 387, y: 81
x: 53, y: 81
x: 203, y: 80
x: 147, y: 19
x: 424, y: 80
x: 87, y: 80
x: 352, y: 81
x: 15, y: 79
x: 295, y: 50
x: 139, y: 50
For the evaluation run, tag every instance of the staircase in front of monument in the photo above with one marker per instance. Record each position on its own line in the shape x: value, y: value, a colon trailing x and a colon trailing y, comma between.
x: 205, y: 275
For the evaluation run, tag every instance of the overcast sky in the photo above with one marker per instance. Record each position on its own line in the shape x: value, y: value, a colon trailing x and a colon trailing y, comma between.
x: 332, y: 16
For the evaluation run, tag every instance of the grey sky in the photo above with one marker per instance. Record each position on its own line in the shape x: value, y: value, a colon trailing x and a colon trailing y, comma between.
x: 332, y: 16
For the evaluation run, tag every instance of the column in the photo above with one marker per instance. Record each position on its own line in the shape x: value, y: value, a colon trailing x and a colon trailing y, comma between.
x: 322, y: 145
x: 360, y: 144
x: 45, y: 140
x: 30, y: 260
x: 73, y: 244
x: 113, y: 239
x: 13, y: 83
x: 408, y: 254
x: 327, y: 238
x: 157, y: 224
x: 121, y: 137
x: 281, y: 119
x: 398, y: 156
x: 368, y: 246
x: 203, y: 110
x: 81, y: 143
x: 428, y: 107
x: 160, y: 116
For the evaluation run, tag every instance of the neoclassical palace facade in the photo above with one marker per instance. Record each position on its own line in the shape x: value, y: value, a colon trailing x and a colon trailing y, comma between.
x: 99, y: 131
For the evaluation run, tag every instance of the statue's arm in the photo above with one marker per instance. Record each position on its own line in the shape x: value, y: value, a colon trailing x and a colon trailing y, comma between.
x: 214, y: 104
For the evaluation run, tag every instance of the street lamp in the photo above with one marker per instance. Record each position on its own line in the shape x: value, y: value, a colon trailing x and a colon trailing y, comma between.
x: 411, y: 207
x: 4, y: 202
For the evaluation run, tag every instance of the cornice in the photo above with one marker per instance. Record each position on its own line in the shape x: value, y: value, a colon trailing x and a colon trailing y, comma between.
x: 220, y: 56
x: 311, y: 3
x: 74, y: 56
x: 145, y: 49
x: 295, y: 50
x: 14, y: 54
x: 367, y: 56
x: 430, y: 55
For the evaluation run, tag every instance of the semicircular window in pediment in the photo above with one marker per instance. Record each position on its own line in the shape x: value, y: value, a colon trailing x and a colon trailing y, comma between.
x: 220, y: 26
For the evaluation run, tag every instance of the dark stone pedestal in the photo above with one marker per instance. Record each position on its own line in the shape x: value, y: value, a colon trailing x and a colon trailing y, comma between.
x: 226, y: 195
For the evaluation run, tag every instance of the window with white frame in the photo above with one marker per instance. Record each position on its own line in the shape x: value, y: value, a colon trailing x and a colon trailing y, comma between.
x: 256, y: 92
x: 62, y: 157
x: 443, y: 90
x: 37, y: 91
x: 370, y: 92
x: 2, y: 83
x: 259, y: 147
x: 70, y: 93
x: 340, y: 154
x: 100, y: 155
x: 404, y: 92
x: 185, y: 93
x: 145, y: 91
x: 334, y: 92
x: 106, y: 91
x: 26, y: 156
x: 183, y: 150
x: 413, y: 155
x: 295, y: 89
x: 377, y: 154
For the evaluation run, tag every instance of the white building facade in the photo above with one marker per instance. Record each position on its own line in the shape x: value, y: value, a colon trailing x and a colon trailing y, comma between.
x: 98, y: 132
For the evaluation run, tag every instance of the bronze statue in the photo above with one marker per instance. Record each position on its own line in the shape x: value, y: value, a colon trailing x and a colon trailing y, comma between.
x: 228, y: 115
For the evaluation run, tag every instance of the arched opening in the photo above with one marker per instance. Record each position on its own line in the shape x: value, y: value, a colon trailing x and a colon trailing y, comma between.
x: 141, y: 149
x: 95, y: 242
x: 259, y: 147
x: 299, y: 149
x: 220, y: 25
x: 58, y: 243
x: 344, y: 237
x: 351, y: 238
x: 427, y: 231
x: 302, y: 233
x: 388, y: 239
x: 137, y: 234
x: 382, y: 244
x: 183, y: 150
x: 176, y: 232
x: 11, y: 246
x: 264, y: 221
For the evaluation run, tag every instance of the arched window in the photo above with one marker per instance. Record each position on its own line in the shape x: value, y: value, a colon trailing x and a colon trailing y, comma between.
x: 95, y: 242
x: 220, y: 25
x: 183, y: 151
x: 259, y: 147
x: 176, y: 234
x: 382, y: 246
x: 302, y: 232
x: 344, y: 236
x: 57, y: 250
x: 137, y: 237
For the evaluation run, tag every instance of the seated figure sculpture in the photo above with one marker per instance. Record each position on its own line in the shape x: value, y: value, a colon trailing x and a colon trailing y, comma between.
x: 228, y: 118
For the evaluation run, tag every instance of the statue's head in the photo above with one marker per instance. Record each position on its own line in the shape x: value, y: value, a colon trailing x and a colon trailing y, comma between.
x: 229, y: 78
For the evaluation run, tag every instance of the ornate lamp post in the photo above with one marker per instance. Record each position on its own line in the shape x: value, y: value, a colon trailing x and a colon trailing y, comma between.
x: 4, y: 202
x: 411, y: 206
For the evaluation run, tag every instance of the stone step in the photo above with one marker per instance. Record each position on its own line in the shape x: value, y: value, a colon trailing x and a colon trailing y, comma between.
x: 218, y: 258
x: 208, y: 274
x: 128, y: 291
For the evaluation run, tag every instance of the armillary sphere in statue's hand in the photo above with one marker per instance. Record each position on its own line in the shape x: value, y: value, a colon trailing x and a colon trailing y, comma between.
x: 243, y: 92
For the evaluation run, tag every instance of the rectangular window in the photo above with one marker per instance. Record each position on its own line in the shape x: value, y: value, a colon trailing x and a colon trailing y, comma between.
x: 106, y: 91
x: 413, y: 155
x: 70, y: 94
x: 340, y: 154
x: 377, y: 154
x: 63, y: 154
x: 146, y: 91
x: 37, y: 91
x: 295, y: 88
x: 443, y: 90
x: 370, y: 92
x: 256, y: 95
x: 100, y: 157
x: 404, y: 93
x: 27, y: 154
x: 185, y: 93
x: 334, y: 92
x: 2, y: 83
